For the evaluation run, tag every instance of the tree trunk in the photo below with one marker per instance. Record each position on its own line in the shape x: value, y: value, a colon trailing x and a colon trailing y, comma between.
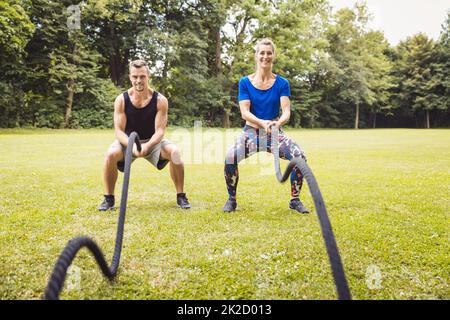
x: 357, y: 116
x: 226, y: 118
x: 428, y: 118
x: 218, y: 67
x: 218, y: 51
x: 374, y: 120
x: 114, y: 57
x: 164, y: 77
x: 123, y: 67
x: 69, y: 103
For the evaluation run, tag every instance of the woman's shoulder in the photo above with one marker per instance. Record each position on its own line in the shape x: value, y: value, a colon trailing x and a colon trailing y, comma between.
x: 282, y: 79
x: 244, y: 81
x: 282, y: 82
x: 244, y: 78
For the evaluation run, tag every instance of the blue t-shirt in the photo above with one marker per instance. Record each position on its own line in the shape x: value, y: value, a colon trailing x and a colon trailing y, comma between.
x: 265, y: 104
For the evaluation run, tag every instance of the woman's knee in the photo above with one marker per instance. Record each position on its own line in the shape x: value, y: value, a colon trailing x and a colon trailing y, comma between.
x: 230, y: 157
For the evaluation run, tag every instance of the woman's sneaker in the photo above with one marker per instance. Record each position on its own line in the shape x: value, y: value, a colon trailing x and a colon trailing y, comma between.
x: 230, y: 205
x: 298, y: 206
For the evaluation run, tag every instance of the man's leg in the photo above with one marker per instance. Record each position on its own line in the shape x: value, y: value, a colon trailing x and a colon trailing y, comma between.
x: 113, y: 155
x: 172, y: 153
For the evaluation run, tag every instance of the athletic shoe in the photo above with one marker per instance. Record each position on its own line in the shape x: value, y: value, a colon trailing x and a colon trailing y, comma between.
x: 297, y: 205
x: 182, y: 201
x: 107, y: 204
x: 230, y: 205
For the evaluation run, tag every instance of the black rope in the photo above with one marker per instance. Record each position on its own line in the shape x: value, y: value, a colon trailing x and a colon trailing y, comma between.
x: 337, y: 268
x: 59, y: 273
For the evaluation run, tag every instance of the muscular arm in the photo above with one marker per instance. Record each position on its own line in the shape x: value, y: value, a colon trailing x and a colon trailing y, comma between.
x: 160, y: 124
x: 120, y: 120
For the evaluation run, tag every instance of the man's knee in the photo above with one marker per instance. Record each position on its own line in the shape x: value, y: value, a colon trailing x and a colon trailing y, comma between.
x: 175, y: 156
x: 113, y: 155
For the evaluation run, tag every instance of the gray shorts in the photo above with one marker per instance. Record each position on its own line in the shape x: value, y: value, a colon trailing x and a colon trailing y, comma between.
x: 154, y: 156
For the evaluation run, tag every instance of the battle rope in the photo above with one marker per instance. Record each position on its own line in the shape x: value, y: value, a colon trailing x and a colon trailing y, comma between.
x: 327, y: 233
x: 58, y: 276
x: 59, y: 273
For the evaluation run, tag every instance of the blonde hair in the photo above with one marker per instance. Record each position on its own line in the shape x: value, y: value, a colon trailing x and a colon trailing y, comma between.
x: 264, y: 42
x: 139, y: 64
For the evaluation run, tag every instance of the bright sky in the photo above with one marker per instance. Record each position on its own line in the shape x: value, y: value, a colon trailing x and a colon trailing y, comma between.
x: 399, y: 19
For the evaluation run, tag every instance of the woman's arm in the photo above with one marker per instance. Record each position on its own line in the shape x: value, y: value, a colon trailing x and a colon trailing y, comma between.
x: 244, y: 105
x: 285, y: 110
x: 285, y: 114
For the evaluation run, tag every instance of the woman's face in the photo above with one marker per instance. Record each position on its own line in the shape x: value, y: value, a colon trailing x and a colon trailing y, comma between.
x: 265, y: 56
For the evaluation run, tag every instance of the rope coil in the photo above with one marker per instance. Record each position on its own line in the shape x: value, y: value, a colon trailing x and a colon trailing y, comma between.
x: 74, y: 245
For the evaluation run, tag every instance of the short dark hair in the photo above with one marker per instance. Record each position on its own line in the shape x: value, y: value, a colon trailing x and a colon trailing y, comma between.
x: 139, y: 64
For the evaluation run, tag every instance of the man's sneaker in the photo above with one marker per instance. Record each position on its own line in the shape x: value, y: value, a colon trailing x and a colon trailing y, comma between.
x: 107, y: 204
x: 182, y: 201
x: 230, y: 205
x: 297, y: 205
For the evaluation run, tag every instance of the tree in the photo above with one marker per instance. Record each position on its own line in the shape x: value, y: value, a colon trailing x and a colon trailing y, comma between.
x: 351, y: 74
x: 112, y: 27
x: 414, y: 71
x: 380, y: 80
x: 16, y: 30
x: 359, y: 68
x: 440, y: 68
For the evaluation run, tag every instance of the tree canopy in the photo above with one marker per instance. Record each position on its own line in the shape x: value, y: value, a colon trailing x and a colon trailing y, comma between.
x: 56, y: 73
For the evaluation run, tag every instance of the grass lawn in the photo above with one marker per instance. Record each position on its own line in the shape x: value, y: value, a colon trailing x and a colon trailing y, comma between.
x: 387, y: 192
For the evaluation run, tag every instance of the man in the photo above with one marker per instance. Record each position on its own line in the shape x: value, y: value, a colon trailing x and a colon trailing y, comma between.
x: 144, y: 110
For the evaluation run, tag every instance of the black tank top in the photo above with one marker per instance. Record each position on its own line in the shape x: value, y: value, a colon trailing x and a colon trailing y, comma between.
x: 141, y: 120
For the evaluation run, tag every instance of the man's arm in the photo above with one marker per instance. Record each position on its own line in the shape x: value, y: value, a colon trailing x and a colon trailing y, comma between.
x: 160, y: 124
x: 120, y: 120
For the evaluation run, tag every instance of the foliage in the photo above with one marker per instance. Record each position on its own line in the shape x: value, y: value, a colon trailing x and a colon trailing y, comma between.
x: 342, y: 74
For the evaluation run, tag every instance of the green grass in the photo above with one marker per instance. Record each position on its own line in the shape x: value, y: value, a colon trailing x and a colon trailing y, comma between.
x: 386, y: 191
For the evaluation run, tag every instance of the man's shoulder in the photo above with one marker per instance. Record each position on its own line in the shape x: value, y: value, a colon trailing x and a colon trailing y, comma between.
x: 161, y: 97
x: 120, y: 100
x: 162, y: 100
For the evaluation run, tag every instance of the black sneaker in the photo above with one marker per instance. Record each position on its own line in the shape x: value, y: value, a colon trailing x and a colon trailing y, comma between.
x: 230, y: 205
x: 298, y: 206
x: 107, y: 204
x: 182, y: 201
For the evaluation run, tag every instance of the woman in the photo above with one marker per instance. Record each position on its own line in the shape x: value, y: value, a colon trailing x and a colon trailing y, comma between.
x: 260, y: 96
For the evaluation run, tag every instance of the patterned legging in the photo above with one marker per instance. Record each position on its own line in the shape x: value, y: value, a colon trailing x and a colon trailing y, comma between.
x: 252, y: 141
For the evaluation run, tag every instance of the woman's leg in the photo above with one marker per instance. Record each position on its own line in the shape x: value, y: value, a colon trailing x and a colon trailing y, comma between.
x: 245, y: 146
x: 288, y: 149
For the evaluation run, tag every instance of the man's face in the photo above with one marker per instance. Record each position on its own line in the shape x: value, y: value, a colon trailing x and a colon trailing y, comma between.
x: 139, y: 78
